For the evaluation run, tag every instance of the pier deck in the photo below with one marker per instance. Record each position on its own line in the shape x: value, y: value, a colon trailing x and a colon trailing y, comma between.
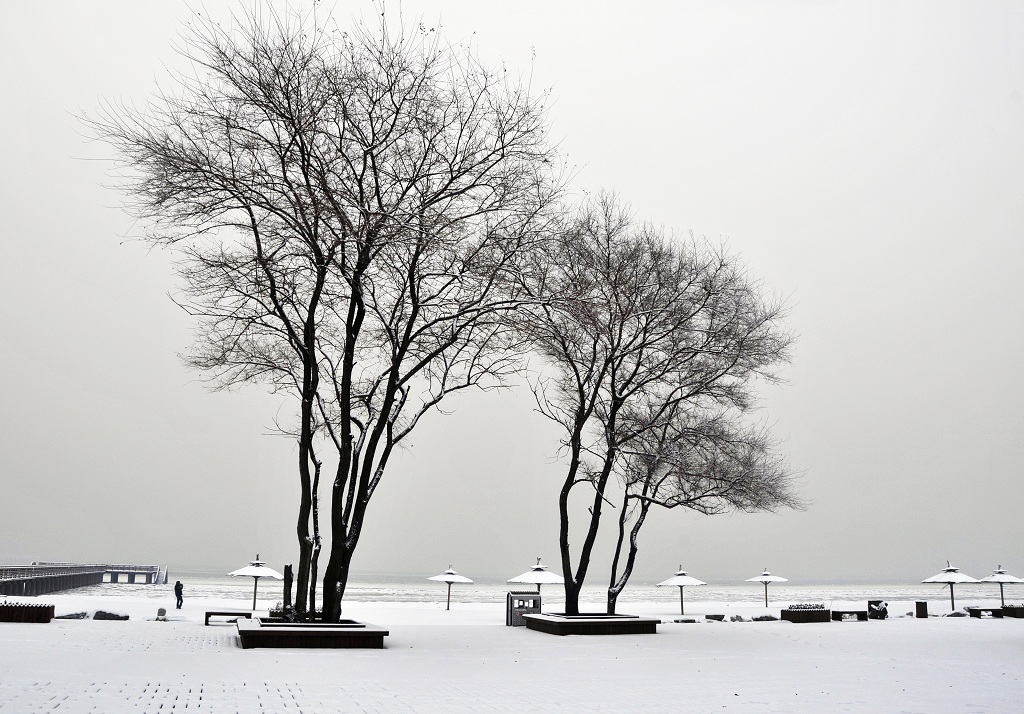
x: 40, y: 578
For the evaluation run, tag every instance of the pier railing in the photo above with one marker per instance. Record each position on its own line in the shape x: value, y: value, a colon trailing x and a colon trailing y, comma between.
x: 41, y: 578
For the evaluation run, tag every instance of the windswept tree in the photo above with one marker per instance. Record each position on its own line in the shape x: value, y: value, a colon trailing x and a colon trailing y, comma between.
x: 636, y: 323
x: 350, y: 209
x: 708, y: 462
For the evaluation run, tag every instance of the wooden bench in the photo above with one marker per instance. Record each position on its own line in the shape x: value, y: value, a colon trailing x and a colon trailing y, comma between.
x: 840, y: 615
x: 980, y: 611
x: 226, y: 613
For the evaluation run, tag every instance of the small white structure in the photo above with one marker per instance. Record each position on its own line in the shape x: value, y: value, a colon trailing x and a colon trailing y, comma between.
x: 950, y: 576
x: 256, y: 570
x: 538, y: 575
x: 681, y: 579
x: 766, y: 577
x: 449, y: 576
x: 999, y: 576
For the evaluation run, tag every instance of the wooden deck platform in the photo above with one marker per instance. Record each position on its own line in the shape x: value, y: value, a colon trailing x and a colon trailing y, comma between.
x: 260, y: 632
x: 591, y: 624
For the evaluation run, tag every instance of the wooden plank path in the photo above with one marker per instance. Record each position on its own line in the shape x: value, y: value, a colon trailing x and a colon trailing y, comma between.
x: 40, y: 578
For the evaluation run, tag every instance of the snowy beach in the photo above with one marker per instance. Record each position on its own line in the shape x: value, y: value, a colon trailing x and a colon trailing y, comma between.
x: 466, y: 660
x: 368, y: 290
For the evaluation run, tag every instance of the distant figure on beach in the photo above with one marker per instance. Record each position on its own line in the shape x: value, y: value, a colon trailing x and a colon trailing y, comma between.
x: 178, y: 587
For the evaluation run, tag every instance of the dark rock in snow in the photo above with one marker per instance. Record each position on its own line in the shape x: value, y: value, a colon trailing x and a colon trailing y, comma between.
x: 104, y: 615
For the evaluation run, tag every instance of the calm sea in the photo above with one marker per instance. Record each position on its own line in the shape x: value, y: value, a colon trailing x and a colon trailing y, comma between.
x: 405, y: 589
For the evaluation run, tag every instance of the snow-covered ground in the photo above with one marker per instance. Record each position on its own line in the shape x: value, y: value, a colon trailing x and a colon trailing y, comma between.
x: 466, y: 660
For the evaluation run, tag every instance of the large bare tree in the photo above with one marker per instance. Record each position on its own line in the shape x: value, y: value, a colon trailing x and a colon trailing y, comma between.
x: 636, y: 323
x: 350, y: 209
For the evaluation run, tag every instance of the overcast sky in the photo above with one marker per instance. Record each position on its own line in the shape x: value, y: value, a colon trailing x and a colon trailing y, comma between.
x: 865, y: 159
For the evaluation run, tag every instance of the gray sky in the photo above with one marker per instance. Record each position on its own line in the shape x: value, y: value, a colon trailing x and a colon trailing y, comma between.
x: 865, y: 159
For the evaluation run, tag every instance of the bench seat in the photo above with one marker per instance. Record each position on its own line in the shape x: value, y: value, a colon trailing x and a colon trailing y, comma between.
x: 226, y: 613
x: 839, y: 615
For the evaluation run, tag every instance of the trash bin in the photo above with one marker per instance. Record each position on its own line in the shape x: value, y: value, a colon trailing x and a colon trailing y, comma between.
x: 518, y: 604
x: 921, y: 609
x: 877, y: 610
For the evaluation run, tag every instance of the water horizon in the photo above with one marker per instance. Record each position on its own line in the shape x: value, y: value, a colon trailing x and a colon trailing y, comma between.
x: 403, y: 588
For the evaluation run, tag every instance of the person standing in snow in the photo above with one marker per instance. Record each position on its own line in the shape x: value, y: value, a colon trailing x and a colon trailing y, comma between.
x: 178, y: 588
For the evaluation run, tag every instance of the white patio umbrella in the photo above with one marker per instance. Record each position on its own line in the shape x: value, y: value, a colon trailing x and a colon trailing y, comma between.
x: 256, y: 570
x: 950, y: 576
x: 449, y: 576
x: 537, y: 575
x: 766, y: 578
x: 682, y: 580
x: 999, y: 576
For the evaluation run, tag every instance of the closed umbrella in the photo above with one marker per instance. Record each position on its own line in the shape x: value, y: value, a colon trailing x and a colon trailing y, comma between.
x: 256, y: 570
x: 999, y: 576
x: 766, y: 578
x: 950, y: 576
x: 450, y: 576
x: 538, y: 575
x: 682, y: 580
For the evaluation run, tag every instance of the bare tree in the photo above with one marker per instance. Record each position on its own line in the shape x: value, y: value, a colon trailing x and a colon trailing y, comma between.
x: 636, y: 323
x: 351, y: 208
x: 710, y: 463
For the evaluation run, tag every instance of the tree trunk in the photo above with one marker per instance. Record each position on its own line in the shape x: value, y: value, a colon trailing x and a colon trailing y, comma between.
x: 612, y: 598
x: 287, y: 587
x: 305, y: 551
x: 617, y: 585
x: 335, y: 581
x: 572, y: 591
x: 314, y: 556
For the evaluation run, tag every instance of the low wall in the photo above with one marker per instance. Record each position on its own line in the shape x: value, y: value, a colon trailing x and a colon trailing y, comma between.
x: 20, y: 612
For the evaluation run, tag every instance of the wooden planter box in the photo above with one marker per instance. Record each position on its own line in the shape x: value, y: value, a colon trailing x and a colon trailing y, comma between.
x: 314, y: 635
x: 1013, y: 611
x: 807, y: 615
x: 18, y: 612
x: 591, y: 624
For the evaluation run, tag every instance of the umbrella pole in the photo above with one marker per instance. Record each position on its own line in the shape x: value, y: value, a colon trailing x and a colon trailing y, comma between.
x: 255, y: 582
x: 1002, y: 603
x: 448, y: 605
x: 681, y: 611
x: 952, y: 605
x: 766, y: 594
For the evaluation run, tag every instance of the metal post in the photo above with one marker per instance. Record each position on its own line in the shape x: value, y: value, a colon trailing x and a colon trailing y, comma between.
x: 288, y: 587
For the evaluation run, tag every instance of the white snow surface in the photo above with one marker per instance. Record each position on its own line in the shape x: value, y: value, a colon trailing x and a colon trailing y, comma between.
x: 466, y: 660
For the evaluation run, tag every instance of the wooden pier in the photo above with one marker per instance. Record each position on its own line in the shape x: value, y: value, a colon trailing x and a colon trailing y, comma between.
x: 40, y: 578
